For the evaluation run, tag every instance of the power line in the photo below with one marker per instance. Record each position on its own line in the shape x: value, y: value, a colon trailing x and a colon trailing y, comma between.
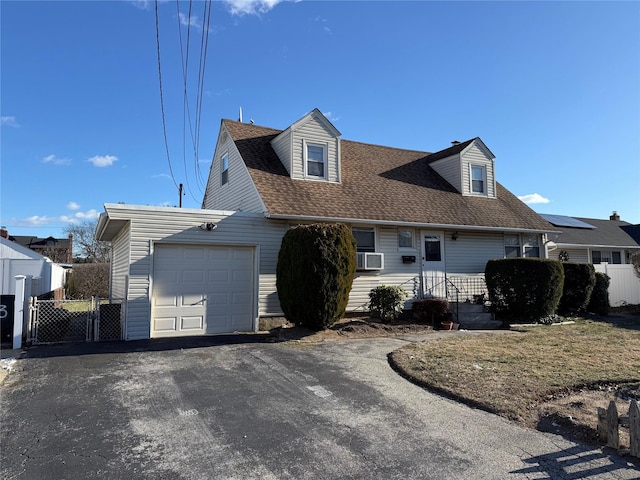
x: 164, y: 124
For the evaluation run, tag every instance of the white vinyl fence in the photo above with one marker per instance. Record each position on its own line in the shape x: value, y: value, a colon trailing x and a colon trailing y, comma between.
x: 624, y: 286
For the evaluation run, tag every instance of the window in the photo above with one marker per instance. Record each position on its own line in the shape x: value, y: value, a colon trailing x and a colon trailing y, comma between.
x: 224, y: 170
x: 606, y: 256
x: 511, y: 246
x: 477, y: 179
x: 365, y: 239
x: 530, y: 247
x: 432, y: 251
x: 315, y: 160
x: 405, y: 238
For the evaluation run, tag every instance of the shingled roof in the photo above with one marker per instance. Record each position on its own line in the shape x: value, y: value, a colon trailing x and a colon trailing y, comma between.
x: 609, y: 233
x: 378, y: 184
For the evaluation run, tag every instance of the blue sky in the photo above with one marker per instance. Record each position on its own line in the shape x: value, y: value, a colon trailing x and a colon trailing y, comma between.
x: 552, y: 88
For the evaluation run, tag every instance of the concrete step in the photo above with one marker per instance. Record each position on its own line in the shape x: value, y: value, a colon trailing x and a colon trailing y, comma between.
x: 472, y: 316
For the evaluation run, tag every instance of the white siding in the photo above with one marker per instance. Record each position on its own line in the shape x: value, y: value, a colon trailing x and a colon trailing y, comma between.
x: 315, y: 131
x: 624, y: 287
x: 471, y: 251
x: 239, y: 193
x: 475, y: 156
x: 576, y: 255
x: 173, y: 225
x: 120, y: 263
x: 282, y: 146
x: 449, y: 169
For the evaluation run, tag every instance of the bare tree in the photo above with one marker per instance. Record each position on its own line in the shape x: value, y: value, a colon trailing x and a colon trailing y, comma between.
x: 92, y: 250
x: 635, y: 261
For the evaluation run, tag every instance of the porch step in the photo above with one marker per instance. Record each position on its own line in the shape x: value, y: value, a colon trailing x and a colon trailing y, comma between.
x: 472, y: 316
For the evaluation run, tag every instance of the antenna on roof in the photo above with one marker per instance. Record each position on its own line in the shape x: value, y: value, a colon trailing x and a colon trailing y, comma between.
x: 240, y: 116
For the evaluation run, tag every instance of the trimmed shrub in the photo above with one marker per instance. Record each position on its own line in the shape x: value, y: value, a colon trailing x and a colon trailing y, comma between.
x: 579, y: 280
x: 431, y: 310
x: 315, y: 270
x: 386, y: 302
x: 599, y: 301
x: 524, y: 289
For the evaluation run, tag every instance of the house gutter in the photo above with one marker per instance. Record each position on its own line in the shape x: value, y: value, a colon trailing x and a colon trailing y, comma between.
x: 588, y: 245
x: 439, y: 226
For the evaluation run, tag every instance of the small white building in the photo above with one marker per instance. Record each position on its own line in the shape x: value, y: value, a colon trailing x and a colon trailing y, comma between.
x: 18, y: 260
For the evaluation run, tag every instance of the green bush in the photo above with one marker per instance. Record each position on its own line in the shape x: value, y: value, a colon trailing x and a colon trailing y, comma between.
x: 579, y: 280
x: 386, y: 302
x: 315, y: 270
x: 431, y: 310
x: 599, y: 301
x: 524, y: 289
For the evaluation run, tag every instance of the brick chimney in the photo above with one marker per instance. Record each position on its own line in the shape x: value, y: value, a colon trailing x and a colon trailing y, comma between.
x: 4, y: 233
x: 614, y: 216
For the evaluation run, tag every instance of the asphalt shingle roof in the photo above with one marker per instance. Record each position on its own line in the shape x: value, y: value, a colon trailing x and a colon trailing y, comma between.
x: 378, y: 184
x: 607, y: 233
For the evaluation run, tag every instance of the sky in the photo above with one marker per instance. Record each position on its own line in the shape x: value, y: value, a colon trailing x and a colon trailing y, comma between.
x: 552, y: 88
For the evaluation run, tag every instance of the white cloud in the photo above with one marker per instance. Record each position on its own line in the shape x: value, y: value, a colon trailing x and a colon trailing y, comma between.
x: 40, y: 220
x: 162, y: 175
x: 73, y: 206
x: 250, y: 7
x: 189, y: 21
x: 79, y: 217
x: 534, y: 198
x: 103, y: 160
x: 331, y: 117
x: 9, y: 122
x: 56, y: 160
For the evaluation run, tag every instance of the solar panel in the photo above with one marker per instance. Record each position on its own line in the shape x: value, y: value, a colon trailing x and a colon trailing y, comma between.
x: 564, y: 221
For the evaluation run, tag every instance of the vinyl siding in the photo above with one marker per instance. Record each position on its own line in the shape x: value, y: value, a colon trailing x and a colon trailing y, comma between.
x: 314, y: 131
x: 173, y: 225
x: 576, y: 255
x: 282, y: 146
x: 239, y: 193
x: 449, y: 169
x: 120, y: 263
x: 475, y: 156
x: 471, y: 251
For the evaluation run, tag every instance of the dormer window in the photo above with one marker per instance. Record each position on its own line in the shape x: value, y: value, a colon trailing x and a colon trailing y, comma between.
x: 478, y: 179
x: 316, y: 160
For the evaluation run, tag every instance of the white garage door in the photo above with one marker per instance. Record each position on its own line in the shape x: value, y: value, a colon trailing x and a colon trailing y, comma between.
x: 200, y: 289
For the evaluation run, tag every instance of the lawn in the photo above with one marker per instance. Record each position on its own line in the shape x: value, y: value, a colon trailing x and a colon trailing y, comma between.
x: 531, y: 373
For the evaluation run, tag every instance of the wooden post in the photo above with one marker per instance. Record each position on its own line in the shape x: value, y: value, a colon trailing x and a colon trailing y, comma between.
x: 602, y: 425
x: 634, y: 429
x: 613, y: 439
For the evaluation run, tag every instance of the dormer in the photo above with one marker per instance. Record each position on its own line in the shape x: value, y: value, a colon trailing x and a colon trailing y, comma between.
x: 468, y: 166
x: 310, y: 149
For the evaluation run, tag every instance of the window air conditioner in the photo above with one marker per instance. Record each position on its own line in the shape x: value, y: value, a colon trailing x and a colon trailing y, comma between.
x: 369, y: 261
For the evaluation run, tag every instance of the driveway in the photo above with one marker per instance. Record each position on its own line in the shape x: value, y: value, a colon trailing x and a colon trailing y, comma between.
x: 233, y: 407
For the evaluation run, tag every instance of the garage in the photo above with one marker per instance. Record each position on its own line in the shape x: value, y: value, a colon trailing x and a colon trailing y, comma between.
x: 201, y: 289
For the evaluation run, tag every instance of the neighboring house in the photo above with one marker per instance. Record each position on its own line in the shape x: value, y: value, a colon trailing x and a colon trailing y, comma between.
x: 18, y: 260
x: 421, y: 220
x: 592, y: 240
x: 58, y: 250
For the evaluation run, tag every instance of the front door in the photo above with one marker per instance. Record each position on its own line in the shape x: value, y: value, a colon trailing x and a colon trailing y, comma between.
x: 433, y: 264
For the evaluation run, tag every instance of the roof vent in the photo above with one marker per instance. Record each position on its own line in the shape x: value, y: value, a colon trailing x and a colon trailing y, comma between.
x: 614, y: 216
x: 456, y: 142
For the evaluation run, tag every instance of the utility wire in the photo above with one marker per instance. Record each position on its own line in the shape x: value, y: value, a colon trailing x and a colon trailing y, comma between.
x: 164, y: 124
x: 201, y: 73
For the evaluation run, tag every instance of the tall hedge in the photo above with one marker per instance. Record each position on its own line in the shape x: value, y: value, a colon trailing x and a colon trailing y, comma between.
x: 524, y: 289
x: 315, y: 270
x: 599, y: 301
x: 579, y: 280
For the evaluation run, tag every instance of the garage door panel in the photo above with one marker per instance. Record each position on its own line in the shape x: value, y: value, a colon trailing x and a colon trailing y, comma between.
x: 202, y: 289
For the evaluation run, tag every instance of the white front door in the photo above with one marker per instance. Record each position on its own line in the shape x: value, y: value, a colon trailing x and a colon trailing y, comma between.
x: 433, y: 264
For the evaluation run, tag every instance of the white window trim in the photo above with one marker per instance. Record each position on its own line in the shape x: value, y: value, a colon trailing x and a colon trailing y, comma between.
x: 223, y: 170
x: 412, y: 248
x: 325, y: 152
x: 485, y: 189
x: 375, y: 235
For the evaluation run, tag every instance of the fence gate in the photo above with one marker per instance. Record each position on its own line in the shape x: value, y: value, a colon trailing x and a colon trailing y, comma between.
x: 56, y: 321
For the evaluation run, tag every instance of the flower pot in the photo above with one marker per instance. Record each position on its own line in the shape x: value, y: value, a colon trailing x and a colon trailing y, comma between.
x: 446, y: 325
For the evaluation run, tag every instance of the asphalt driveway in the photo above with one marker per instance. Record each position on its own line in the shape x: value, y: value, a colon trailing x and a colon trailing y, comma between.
x: 232, y: 407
